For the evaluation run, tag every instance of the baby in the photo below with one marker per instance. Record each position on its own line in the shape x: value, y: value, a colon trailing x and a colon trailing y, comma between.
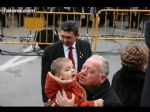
x: 63, y: 76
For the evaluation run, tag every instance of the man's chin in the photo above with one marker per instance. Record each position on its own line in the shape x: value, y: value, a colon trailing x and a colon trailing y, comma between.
x: 68, y: 44
x: 82, y: 82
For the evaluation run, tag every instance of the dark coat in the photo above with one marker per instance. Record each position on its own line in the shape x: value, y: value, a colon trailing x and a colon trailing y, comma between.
x: 55, y: 51
x: 105, y: 92
x: 128, y: 84
x: 146, y: 90
x: 147, y: 33
x: 145, y: 101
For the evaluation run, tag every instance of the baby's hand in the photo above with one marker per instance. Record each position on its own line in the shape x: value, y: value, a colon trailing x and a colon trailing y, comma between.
x: 99, y: 102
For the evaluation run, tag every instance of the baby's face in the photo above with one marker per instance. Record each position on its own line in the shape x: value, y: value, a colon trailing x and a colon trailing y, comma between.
x: 68, y: 71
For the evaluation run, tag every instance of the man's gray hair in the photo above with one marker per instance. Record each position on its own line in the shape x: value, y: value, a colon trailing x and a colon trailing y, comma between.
x: 105, y: 68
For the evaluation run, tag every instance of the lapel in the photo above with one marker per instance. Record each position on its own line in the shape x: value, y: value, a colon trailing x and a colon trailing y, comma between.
x: 60, y: 49
x: 79, y: 56
x: 80, y: 50
x: 77, y: 48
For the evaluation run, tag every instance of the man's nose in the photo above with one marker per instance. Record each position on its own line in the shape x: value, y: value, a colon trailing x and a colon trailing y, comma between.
x: 64, y: 39
x: 84, y: 71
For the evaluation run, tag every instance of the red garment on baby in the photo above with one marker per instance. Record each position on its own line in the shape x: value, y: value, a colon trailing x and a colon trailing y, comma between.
x: 52, y: 85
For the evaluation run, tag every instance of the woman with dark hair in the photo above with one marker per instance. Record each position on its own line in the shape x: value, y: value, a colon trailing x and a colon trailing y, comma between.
x: 129, y: 80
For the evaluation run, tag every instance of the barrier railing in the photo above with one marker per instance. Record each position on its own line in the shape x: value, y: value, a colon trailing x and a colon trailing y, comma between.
x: 29, y: 28
x: 35, y: 23
x: 109, y: 28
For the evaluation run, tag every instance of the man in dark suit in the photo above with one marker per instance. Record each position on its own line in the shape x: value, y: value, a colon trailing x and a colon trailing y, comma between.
x: 145, y: 101
x: 69, y: 38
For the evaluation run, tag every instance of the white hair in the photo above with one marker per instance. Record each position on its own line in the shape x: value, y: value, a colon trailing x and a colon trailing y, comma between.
x: 105, y: 68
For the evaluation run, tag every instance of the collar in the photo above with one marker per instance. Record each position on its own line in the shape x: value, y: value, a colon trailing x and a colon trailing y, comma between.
x: 66, y: 47
x: 98, y: 91
x: 59, y: 80
x: 130, y: 74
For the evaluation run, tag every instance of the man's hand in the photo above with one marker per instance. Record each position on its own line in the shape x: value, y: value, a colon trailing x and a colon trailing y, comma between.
x: 62, y: 99
x: 99, y: 102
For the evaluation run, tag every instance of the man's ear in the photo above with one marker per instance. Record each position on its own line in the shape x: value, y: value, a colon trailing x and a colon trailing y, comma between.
x: 104, y: 77
x: 78, y: 35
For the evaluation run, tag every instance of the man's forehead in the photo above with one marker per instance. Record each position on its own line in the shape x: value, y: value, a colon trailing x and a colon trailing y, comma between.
x: 66, y: 32
x: 91, y: 62
x: 91, y: 59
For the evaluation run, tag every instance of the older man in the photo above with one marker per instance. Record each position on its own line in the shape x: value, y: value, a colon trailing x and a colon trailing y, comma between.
x: 93, y: 77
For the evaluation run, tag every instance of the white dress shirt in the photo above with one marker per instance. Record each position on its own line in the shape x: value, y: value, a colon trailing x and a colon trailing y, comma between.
x: 66, y: 51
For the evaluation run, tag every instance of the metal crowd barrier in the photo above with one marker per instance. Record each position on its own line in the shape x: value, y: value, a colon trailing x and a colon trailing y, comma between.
x: 119, y: 29
x: 24, y: 28
x: 27, y: 28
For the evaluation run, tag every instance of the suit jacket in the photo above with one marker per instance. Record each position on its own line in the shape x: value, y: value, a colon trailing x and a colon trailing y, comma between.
x: 54, y: 84
x: 55, y: 51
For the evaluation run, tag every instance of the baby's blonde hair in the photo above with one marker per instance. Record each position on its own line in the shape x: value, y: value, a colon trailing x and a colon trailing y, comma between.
x: 57, y: 64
